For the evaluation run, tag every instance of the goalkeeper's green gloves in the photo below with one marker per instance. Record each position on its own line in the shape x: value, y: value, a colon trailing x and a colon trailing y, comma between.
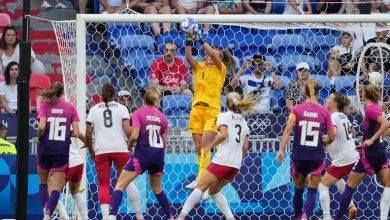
x: 188, y: 39
x: 199, y: 36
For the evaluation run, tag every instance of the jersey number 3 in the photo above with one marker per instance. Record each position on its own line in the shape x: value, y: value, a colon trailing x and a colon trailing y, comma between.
x: 57, y: 131
x: 155, y: 139
x: 307, y: 131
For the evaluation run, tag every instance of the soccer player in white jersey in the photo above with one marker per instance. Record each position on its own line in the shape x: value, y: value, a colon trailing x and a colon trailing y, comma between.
x: 233, y: 146
x: 108, y: 120
x: 341, y: 151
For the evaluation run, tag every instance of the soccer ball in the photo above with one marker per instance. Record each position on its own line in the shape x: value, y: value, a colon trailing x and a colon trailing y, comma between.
x: 375, y: 78
x: 189, y: 26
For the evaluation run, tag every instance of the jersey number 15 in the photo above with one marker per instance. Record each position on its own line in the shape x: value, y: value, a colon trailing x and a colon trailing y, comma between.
x: 307, y: 131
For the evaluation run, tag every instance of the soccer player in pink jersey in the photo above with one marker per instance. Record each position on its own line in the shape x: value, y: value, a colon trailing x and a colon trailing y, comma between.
x: 233, y: 145
x: 373, y: 158
x: 341, y: 151
x: 308, y: 154
x: 150, y: 131
x: 109, y: 120
x: 56, y: 118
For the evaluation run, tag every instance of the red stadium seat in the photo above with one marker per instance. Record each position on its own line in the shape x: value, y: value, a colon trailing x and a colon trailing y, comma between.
x: 96, y: 99
x: 5, y: 20
x: 38, y: 81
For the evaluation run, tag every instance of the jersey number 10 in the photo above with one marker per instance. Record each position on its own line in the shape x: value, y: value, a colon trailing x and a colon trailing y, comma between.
x: 155, y: 139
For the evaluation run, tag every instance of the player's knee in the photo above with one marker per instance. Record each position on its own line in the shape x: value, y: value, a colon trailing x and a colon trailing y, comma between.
x: 156, y: 189
x: 213, y: 190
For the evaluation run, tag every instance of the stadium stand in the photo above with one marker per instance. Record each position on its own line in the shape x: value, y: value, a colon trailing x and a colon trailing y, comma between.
x: 38, y: 81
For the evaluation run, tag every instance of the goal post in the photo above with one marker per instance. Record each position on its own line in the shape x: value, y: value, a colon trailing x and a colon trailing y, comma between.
x: 263, y: 186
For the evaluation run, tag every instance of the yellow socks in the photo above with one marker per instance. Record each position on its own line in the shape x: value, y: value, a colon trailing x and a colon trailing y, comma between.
x: 203, y: 162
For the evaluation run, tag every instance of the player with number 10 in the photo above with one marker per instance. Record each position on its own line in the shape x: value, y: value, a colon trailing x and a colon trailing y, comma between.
x: 56, y: 117
x: 308, y: 155
x: 109, y: 119
x: 150, y: 131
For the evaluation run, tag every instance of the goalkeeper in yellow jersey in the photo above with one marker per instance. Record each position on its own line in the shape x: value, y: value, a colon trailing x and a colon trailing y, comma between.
x: 209, y: 77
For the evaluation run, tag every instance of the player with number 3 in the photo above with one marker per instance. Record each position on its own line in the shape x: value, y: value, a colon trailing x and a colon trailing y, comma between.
x: 109, y: 120
x: 308, y: 154
x: 233, y: 139
x: 56, y: 117
x: 150, y: 131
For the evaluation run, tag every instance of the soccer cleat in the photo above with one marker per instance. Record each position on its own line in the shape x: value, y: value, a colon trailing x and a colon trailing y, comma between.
x: 192, y: 185
x: 46, y: 5
x: 352, y: 212
x: 60, y: 6
x: 206, y: 195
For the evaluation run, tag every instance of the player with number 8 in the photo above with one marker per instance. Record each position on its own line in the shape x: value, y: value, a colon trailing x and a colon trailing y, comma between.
x: 150, y: 131
x: 308, y: 154
x: 56, y: 117
x: 109, y: 120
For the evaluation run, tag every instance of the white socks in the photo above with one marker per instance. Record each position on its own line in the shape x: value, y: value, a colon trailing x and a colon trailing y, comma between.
x: 105, y: 210
x: 324, y: 201
x: 81, y: 205
x: 133, y: 196
x: 191, y: 201
x: 223, y: 205
x: 385, y: 203
x: 61, y: 211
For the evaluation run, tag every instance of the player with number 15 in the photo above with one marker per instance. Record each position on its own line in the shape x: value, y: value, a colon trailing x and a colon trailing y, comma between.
x: 308, y: 154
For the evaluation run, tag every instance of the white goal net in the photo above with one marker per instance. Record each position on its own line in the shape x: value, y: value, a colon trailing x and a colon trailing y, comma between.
x: 121, y: 49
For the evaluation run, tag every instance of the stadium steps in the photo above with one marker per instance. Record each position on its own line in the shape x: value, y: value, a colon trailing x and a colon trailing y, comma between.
x: 41, y: 33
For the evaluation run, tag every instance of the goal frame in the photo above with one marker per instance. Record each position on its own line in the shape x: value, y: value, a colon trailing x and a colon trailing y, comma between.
x: 83, y: 19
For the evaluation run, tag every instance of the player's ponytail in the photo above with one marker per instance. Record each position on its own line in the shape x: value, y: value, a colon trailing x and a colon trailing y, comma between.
x: 228, y: 59
x: 108, y: 93
x: 341, y: 101
x: 52, y: 95
x: 372, y: 93
x: 151, y: 97
x: 234, y: 102
x: 312, y: 89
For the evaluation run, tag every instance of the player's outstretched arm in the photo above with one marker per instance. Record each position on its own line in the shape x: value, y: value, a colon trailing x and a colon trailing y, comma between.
x: 188, y: 53
x: 213, y: 53
x: 126, y: 128
x: 41, y: 127
x: 285, y: 138
x: 223, y: 133
x: 331, y: 136
x: 245, y: 146
x: 133, y: 138
x: 76, y: 132
x: 381, y: 131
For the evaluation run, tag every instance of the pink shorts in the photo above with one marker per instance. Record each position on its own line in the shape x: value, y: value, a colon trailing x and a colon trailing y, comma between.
x: 222, y: 172
x: 340, y: 172
x: 75, y: 174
